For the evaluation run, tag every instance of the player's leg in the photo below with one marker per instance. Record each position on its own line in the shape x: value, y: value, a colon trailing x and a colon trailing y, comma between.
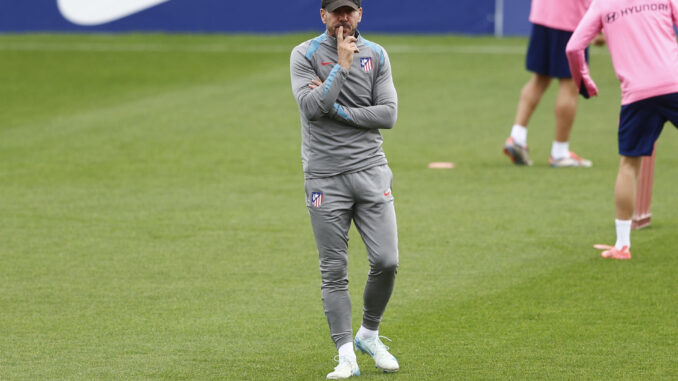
x: 530, y: 96
x: 375, y: 219
x: 566, y: 108
x: 330, y: 210
x: 566, y: 103
x: 625, y: 196
x: 624, y: 200
x: 640, y: 124
x: 537, y: 61
x: 515, y: 146
x: 565, y: 111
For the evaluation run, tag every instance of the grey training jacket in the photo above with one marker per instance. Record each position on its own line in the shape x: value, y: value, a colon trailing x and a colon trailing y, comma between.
x: 340, y: 120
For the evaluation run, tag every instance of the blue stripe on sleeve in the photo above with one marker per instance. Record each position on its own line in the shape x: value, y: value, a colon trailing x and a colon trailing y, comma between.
x: 330, y: 78
x: 341, y: 112
x: 315, y: 44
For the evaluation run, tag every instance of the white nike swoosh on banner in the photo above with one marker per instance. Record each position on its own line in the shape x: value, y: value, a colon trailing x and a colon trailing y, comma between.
x: 97, y: 12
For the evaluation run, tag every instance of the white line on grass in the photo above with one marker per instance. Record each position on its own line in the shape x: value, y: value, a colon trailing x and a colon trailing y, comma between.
x: 133, y: 48
x: 457, y: 49
x: 262, y: 49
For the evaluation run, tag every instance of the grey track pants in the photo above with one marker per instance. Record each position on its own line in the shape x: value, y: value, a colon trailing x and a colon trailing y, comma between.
x: 366, y: 198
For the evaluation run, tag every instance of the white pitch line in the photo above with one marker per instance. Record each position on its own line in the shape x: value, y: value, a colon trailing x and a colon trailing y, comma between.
x: 457, y: 49
x: 468, y: 49
x: 261, y: 49
x: 133, y: 48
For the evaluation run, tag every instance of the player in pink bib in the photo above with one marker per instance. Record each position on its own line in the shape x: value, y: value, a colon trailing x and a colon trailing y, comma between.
x: 558, y: 14
x: 552, y: 24
x: 642, y: 42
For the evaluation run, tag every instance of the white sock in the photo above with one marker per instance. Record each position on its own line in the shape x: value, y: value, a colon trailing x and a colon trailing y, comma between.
x: 560, y: 150
x: 346, y: 350
x: 519, y: 135
x: 367, y: 333
x: 623, y: 233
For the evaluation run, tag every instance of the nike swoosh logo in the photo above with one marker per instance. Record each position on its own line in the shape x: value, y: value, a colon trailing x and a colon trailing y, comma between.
x: 327, y: 63
x: 97, y: 12
x: 387, y: 193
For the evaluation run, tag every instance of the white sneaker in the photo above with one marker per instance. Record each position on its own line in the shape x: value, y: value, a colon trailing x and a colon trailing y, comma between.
x: 345, y: 369
x: 573, y: 160
x: 379, y: 352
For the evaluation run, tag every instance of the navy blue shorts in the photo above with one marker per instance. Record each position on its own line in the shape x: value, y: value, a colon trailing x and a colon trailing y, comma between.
x: 546, y: 52
x: 640, y: 123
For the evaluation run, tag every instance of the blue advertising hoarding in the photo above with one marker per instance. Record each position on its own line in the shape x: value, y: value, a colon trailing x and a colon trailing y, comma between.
x: 246, y: 16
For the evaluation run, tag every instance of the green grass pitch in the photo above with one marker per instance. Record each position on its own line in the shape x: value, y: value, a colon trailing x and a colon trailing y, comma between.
x: 153, y: 227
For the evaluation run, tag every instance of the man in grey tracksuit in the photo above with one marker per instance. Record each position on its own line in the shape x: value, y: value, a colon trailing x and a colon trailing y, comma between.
x: 344, y: 89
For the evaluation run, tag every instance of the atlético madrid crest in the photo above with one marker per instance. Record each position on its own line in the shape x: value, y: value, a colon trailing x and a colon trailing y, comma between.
x: 366, y: 64
x: 317, y: 199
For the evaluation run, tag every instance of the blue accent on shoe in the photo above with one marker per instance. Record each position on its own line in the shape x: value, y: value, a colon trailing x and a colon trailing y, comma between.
x: 359, y: 346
